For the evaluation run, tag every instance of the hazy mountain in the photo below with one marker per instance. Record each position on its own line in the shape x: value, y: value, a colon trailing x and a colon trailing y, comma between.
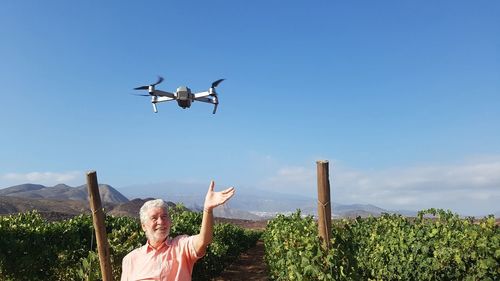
x: 249, y: 203
x: 224, y: 211
x: 353, y: 207
x: 63, y: 192
x: 347, y: 210
x: 188, y: 194
x: 193, y: 194
x: 406, y: 213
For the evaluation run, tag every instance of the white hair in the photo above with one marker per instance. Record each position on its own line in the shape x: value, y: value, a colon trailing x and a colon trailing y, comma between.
x: 156, y: 203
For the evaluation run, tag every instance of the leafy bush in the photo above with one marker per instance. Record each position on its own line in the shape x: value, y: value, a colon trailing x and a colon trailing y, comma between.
x: 390, y: 247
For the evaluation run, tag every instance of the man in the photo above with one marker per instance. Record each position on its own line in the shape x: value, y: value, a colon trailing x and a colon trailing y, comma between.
x: 163, y: 258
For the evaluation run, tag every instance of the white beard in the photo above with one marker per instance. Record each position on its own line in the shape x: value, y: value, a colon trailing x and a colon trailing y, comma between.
x: 158, y: 235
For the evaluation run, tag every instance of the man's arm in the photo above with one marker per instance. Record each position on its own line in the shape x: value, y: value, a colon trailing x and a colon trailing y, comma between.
x: 212, y: 200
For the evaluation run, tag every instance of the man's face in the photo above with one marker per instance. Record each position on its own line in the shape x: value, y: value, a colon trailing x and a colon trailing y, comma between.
x: 157, y: 226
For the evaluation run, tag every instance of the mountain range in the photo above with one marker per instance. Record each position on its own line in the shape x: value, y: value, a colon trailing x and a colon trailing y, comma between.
x: 65, y: 199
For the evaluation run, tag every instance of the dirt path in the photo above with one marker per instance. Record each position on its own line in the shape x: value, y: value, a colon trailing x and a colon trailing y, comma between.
x: 249, y: 266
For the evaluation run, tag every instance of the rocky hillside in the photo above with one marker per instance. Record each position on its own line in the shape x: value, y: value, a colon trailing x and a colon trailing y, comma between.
x: 62, y: 201
x: 9, y: 205
x: 62, y: 192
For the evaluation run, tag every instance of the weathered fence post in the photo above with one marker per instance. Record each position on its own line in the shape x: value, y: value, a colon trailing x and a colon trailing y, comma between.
x: 324, y: 206
x: 99, y: 226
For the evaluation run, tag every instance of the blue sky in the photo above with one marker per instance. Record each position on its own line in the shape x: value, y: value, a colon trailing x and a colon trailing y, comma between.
x: 402, y: 97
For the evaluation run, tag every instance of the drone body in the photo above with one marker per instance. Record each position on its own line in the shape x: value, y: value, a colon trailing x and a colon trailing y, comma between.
x: 182, y: 95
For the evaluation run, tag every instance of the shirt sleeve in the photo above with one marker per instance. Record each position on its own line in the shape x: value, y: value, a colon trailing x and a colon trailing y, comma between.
x: 186, y: 244
x: 193, y: 250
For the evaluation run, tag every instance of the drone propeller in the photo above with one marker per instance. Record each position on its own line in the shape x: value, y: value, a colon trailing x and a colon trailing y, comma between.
x: 216, y: 83
x: 214, y: 94
x: 216, y: 103
x: 160, y: 79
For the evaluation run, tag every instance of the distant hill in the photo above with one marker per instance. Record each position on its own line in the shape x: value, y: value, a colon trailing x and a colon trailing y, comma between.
x: 21, y: 188
x: 62, y: 192
x: 132, y: 207
x: 11, y: 204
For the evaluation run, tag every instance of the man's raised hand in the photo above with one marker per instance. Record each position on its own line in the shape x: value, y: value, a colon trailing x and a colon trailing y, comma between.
x: 214, y: 198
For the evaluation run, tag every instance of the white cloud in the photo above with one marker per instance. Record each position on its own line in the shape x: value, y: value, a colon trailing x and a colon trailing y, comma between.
x: 45, y: 178
x: 290, y: 179
x: 468, y: 188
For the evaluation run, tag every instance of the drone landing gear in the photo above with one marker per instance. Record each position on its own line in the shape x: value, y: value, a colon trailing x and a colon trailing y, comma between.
x: 154, y: 108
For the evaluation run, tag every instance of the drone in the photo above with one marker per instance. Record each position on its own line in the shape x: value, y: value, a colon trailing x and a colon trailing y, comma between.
x: 182, y: 95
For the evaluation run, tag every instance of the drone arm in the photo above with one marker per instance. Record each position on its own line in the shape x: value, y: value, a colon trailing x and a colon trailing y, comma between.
x: 202, y: 94
x: 204, y: 99
x: 157, y: 99
x: 163, y: 98
x: 160, y: 93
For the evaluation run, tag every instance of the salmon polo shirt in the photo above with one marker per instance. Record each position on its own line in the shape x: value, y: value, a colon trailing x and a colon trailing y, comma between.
x: 173, y: 261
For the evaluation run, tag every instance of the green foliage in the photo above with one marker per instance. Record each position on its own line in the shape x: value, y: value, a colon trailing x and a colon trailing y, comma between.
x: 437, y: 245
x: 32, y: 249
x: 184, y: 222
x: 26, y: 248
x: 294, y: 251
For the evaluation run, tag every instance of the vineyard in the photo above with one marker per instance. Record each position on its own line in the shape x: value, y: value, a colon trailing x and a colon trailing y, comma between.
x: 391, y: 247
x: 436, y: 245
x: 33, y: 249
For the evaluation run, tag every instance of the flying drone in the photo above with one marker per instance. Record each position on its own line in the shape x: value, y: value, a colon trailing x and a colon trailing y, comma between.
x: 182, y: 95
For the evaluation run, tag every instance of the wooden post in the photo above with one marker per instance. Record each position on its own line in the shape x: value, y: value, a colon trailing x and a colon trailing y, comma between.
x: 99, y: 226
x: 324, y: 206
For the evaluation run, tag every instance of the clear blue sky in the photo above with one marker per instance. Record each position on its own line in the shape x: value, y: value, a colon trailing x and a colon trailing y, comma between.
x: 402, y: 97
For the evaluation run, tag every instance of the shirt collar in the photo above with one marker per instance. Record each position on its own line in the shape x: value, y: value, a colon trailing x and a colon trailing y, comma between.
x: 148, y: 248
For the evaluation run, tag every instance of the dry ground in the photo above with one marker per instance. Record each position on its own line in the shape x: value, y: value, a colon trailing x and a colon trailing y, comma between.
x: 249, y: 265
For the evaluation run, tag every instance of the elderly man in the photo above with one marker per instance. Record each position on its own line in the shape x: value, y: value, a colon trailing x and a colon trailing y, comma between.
x: 163, y: 258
